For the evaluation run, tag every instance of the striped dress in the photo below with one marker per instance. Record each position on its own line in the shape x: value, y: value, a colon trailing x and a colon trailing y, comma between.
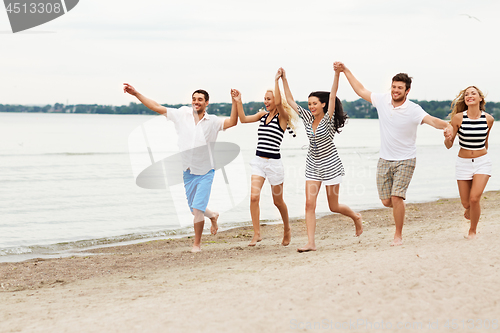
x: 269, y: 137
x: 323, y: 161
x: 473, y: 132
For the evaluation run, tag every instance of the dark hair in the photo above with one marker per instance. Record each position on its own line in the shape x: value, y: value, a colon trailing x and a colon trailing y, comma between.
x: 201, y: 91
x: 339, y: 117
x: 403, y: 77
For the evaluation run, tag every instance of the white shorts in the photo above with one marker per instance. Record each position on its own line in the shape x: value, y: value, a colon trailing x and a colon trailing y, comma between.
x: 334, y: 181
x: 465, y: 168
x: 269, y: 168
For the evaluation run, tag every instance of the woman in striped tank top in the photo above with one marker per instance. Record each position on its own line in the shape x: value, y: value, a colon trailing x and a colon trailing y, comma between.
x: 473, y: 166
x: 324, y: 118
x: 267, y: 164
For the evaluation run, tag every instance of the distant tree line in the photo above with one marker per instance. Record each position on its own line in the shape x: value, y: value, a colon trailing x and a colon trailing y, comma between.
x: 356, y: 109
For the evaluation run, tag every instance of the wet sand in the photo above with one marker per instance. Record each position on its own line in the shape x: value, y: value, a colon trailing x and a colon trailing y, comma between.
x: 361, y: 282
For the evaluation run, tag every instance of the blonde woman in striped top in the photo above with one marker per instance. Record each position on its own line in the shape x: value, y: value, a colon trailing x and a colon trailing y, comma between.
x: 473, y: 166
x: 267, y: 163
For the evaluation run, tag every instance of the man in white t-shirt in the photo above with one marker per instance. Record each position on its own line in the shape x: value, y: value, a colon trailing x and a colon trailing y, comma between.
x: 398, y: 118
x: 196, y: 130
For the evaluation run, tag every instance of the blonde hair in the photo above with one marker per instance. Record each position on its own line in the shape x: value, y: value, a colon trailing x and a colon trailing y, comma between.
x: 458, y: 104
x: 292, y: 115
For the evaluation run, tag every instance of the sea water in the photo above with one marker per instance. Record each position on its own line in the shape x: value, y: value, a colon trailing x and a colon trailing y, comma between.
x: 68, y: 181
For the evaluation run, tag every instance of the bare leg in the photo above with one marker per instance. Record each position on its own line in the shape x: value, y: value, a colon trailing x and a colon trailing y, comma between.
x: 398, y: 211
x: 464, y: 188
x: 478, y: 184
x: 332, y: 193
x: 280, y: 204
x: 213, y: 216
x: 312, y: 190
x: 199, y: 222
x: 257, y: 182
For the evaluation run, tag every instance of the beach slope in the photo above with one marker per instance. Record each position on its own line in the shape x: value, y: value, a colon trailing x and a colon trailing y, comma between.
x: 355, y: 283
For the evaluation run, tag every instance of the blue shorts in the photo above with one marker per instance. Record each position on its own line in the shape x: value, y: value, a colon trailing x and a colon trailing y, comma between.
x: 198, y: 189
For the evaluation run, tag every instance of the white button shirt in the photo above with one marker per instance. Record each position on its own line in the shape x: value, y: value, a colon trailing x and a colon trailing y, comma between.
x: 194, y: 139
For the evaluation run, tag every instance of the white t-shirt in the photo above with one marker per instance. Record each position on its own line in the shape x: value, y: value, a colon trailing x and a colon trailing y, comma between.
x: 194, y: 139
x: 398, y: 127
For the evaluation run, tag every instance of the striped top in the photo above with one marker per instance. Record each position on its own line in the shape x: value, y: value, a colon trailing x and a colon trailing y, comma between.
x: 473, y: 132
x: 269, y: 137
x: 323, y: 161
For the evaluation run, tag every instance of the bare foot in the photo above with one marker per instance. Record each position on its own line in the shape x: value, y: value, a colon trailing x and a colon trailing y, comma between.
x: 256, y: 238
x: 307, y: 248
x: 196, y: 249
x: 287, y: 237
x: 214, y: 227
x: 358, y: 222
x: 397, y: 241
x: 467, y: 214
x: 472, y: 235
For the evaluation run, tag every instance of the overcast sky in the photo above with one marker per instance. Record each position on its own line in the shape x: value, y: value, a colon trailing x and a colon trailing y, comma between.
x: 167, y: 49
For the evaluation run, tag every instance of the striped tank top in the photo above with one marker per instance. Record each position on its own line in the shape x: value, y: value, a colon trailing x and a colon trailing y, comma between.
x: 269, y: 137
x: 473, y: 132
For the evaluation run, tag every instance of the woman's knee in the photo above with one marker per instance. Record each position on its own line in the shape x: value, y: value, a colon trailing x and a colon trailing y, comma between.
x: 254, y: 198
x: 310, y: 205
x: 278, y: 202
x: 465, y: 203
x: 334, y: 208
x: 474, y: 199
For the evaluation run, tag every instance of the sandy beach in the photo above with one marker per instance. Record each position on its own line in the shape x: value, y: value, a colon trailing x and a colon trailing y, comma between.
x: 436, y: 280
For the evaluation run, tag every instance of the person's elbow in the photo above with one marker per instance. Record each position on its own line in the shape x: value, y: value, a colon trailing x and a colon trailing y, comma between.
x: 228, y: 123
x: 159, y: 109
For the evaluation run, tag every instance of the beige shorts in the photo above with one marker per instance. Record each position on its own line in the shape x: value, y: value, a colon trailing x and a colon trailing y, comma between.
x: 393, y: 177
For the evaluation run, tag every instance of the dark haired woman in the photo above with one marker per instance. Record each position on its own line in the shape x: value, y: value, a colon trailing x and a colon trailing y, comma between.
x: 473, y: 166
x: 324, y: 118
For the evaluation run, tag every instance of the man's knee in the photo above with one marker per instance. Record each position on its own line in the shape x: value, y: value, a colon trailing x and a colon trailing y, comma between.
x: 397, y: 201
x: 198, y: 215
x: 387, y: 202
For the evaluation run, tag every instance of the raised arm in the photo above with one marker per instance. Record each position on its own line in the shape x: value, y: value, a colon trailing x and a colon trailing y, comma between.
x: 358, y: 88
x: 233, y: 118
x: 149, y: 103
x: 288, y: 93
x: 238, y: 106
x: 333, y: 92
x: 282, y: 114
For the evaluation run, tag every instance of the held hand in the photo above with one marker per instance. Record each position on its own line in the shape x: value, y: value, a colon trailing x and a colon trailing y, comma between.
x: 283, y: 74
x: 448, y: 132
x: 127, y: 88
x: 338, y: 66
x: 279, y: 74
x: 236, y: 95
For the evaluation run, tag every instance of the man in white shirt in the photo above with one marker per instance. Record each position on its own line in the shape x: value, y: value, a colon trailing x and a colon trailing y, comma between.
x: 398, y: 119
x: 197, y: 130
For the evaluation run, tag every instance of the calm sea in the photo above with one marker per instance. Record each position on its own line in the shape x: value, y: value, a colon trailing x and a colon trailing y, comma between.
x: 68, y: 181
